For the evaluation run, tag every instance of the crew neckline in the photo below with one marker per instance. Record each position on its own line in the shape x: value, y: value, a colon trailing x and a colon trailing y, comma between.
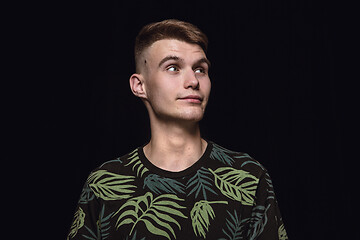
x: 170, y: 174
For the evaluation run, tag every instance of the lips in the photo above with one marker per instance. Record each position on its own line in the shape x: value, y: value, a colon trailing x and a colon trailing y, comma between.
x: 192, y: 98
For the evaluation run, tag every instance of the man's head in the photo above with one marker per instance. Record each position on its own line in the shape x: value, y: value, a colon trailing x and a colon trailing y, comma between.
x: 172, y: 71
x: 167, y: 29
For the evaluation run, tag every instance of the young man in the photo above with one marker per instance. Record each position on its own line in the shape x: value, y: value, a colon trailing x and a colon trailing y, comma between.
x: 177, y: 186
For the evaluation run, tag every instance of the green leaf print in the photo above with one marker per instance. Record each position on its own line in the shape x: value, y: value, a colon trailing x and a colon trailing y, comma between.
x: 103, y: 226
x: 234, y: 227
x: 159, y: 184
x: 282, y: 233
x: 137, y: 164
x: 236, y: 184
x: 116, y: 160
x: 111, y: 186
x: 86, y: 195
x: 200, y: 214
x: 201, y: 182
x: 257, y: 221
x: 134, y: 237
x: 226, y: 156
x: 156, y: 213
x: 78, y: 222
x: 104, y: 223
x: 221, y: 154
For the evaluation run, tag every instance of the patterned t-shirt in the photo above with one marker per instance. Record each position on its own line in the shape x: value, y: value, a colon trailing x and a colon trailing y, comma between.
x: 224, y: 195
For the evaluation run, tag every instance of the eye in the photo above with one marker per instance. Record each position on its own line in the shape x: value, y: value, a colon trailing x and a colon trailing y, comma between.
x: 172, y: 68
x: 199, y: 70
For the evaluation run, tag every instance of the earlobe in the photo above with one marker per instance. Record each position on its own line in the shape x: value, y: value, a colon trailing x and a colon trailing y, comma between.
x: 137, y: 85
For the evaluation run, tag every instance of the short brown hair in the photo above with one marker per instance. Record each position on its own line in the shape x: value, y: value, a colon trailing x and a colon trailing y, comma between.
x: 168, y: 29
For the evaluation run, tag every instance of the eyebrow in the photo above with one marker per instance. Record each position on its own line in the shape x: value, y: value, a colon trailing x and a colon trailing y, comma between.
x: 203, y: 60
x: 170, y: 57
x: 176, y: 58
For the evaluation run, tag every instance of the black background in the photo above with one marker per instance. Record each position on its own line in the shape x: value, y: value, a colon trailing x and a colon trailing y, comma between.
x: 275, y: 95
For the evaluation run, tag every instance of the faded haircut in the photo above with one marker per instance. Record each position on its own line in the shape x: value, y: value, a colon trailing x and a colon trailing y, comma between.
x: 168, y: 29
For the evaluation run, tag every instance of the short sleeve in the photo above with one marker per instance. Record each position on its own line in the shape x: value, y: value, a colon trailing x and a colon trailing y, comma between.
x: 266, y: 222
x: 84, y: 225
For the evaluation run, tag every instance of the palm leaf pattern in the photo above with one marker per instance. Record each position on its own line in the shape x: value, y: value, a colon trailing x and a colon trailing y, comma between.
x: 138, y: 166
x: 103, y: 227
x: 270, y: 188
x: 201, y: 182
x: 156, y: 213
x: 116, y: 160
x: 282, y: 233
x: 134, y: 237
x: 221, y: 154
x: 236, y: 184
x: 252, y: 162
x: 235, y: 227
x: 257, y: 221
x: 158, y: 184
x: 78, y: 222
x: 104, y: 223
x: 111, y: 186
x: 200, y: 216
x: 86, y: 194
x: 136, y: 202
x: 225, y: 156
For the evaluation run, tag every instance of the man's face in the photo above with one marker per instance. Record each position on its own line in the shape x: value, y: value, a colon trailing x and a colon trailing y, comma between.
x: 176, y: 80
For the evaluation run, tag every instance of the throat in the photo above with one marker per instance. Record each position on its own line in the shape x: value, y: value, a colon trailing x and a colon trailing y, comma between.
x: 174, y: 157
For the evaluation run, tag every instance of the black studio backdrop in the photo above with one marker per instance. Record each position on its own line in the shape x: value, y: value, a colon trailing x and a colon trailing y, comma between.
x: 274, y: 95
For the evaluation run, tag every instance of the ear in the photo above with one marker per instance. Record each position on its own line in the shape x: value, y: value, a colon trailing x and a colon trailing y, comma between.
x: 137, y: 85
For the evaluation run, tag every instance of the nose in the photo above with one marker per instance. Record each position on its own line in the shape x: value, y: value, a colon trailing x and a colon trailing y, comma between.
x: 191, y: 80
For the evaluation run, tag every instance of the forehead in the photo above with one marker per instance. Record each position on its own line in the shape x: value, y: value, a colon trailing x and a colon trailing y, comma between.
x: 164, y: 47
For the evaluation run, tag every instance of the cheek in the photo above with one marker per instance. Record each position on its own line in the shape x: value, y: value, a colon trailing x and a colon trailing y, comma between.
x: 160, y: 90
x: 209, y: 84
x: 206, y: 86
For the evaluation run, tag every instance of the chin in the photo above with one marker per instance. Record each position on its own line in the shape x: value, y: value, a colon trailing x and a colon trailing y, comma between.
x: 181, y: 115
x: 194, y: 116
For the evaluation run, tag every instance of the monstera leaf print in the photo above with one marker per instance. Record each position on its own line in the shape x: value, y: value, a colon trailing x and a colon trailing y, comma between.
x: 78, y: 222
x: 200, y: 216
x: 236, y: 184
x: 111, y: 186
x: 156, y: 213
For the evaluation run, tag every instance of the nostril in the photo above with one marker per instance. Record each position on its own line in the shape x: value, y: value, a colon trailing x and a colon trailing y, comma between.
x: 192, y: 82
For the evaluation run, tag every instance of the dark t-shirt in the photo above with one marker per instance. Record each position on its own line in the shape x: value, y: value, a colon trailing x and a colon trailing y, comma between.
x: 224, y: 195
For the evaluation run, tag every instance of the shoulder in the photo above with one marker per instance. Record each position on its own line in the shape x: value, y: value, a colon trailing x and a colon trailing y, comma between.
x: 106, y: 182
x: 117, y: 164
x: 237, y: 160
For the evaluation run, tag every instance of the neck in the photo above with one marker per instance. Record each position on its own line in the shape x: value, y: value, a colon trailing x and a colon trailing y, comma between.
x: 174, y: 146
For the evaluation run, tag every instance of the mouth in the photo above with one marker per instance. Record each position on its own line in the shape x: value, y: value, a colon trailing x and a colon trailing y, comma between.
x: 192, y: 99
